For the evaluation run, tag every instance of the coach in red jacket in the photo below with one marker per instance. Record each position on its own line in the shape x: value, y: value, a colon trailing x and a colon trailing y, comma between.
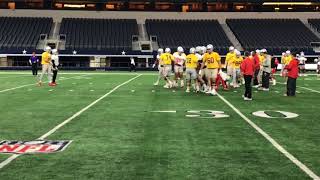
x: 247, y: 70
x: 293, y: 70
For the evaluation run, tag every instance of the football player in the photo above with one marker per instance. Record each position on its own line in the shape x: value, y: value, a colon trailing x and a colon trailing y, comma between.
x: 229, y: 61
x: 179, y: 60
x: 236, y: 62
x: 302, y: 63
x: 166, y: 60
x: 199, y: 53
x: 160, y: 65
x: 46, y: 65
x: 55, y: 64
x: 191, y: 66
x: 212, y: 60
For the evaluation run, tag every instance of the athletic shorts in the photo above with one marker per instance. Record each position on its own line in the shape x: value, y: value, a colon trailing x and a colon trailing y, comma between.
x: 203, y: 72
x: 229, y: 70
x: 178, y: 69
x: 191, y: 74
x: 166, y: 70
x: 302, y: 66
x: 212, y: 73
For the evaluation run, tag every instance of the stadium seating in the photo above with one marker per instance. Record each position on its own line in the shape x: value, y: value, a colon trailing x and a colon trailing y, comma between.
x: 276, y: 35
x: 188, y: 33
x: 315, y: 23
x: 98, y: 34
x: 22, y: 32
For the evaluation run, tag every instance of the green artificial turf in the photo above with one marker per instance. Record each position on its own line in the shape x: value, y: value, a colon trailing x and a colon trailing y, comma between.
x: 121, y: 138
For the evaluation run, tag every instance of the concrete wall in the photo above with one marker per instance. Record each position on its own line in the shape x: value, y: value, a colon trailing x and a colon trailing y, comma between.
x: 57, y: 15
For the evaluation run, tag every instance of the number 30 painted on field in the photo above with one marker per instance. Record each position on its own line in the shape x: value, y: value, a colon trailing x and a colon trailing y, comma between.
x: 204, y: 114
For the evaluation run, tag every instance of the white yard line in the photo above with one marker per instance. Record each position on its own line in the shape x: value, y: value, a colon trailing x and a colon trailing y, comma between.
x: 5, y: 77
x: 312, y: 90
x: 33, y: 84
x: 13, y: 157
x: 293, y: 159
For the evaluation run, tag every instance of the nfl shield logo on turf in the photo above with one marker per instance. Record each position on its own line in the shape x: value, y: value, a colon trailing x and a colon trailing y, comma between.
x: 32, y: 147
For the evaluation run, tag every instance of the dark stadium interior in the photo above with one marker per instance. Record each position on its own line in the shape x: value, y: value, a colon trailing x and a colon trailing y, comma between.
x: 276, y: 35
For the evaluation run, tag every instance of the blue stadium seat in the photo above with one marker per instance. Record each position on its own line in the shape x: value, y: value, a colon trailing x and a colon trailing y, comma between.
x: 276, y: 35
x: 22, y: 32
x: 188, y: 33
x: 98, y: 34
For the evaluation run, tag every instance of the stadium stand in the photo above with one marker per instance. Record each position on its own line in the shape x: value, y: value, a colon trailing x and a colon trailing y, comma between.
x: 276, y: 35
x: 188, y: 33
x: 18, y: 33
x: 111, y: 35
x: 315, y: 23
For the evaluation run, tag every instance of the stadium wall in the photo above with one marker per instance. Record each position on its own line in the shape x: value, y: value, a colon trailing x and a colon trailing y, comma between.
x: 57, y: 15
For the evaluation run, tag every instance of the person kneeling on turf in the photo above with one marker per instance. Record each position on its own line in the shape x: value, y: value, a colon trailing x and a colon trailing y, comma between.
x: 222, y: 77
x: 55, y: 64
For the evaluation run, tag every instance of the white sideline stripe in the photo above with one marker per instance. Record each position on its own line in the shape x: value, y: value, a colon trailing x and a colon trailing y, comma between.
x: 312, y: 90
x: 13, y: 157
x: 18, y: 87
x: 273, y: 142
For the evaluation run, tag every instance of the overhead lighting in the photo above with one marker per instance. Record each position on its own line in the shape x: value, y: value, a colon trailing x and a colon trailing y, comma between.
x: 75, y: 5
x: 287, y: 3
x: 290, y: 8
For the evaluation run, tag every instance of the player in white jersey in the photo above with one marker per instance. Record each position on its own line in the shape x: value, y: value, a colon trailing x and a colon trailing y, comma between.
x: 302, y: 63
x: 160, y: 51
x: 55, y: 64
x: 200, y: 82
x: 179, y: 62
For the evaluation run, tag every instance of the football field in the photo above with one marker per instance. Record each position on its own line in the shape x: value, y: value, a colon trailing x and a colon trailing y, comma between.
x: 122, y: 127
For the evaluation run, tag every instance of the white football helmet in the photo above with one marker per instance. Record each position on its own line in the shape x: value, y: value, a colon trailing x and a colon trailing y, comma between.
x: 288, y: 52
x: 231, y: 48
x: 48, y: 49
x: 167, y: 50
x: 209, y: 47
x: 54, y: 51
x: 198, y: 49
x: 192, y: 50
x: 180, y: 49
x: 160, y: 51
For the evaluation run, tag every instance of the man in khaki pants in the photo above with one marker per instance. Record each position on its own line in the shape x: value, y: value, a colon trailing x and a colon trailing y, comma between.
x: 46, y: 65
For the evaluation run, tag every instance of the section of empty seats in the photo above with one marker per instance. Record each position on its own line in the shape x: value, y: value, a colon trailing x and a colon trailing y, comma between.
x: 276, y: 35
x: 315, y: 23
x: 22, y: 32
x: 188, y: 33
x: 98, y: 34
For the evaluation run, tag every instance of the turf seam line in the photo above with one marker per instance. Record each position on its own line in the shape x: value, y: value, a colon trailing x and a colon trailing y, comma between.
x: 13, y: 157
x: 312, y: 90
x: 293, y: 159
x: 18, y: 87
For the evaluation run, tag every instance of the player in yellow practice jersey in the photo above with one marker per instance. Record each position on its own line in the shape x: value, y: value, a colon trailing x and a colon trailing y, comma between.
x: 229, y: 60
x: 166, y: 60
x: 236, y: 63
x: 46, y: 65
x: 191, y: 66
x: 212, y: 60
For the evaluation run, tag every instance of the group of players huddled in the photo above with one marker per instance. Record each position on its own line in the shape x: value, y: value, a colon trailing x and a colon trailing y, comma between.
x: 203, y: 69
